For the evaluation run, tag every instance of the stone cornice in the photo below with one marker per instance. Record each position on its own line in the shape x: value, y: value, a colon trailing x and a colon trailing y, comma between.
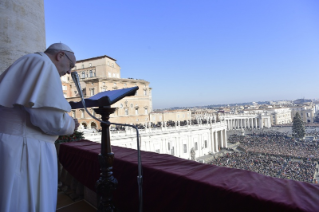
x: 123, y: 80
x: 85, y: 69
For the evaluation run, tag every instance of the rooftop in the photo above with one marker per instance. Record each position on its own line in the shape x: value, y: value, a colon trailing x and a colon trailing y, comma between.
x: 95, y: 58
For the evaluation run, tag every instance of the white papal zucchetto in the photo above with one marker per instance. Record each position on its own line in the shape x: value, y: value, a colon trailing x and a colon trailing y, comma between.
x: 61, y: 47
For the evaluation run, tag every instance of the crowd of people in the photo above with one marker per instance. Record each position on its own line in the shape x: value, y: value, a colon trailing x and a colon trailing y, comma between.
x: 273, y: 154
x: 274, y: 166
x: 278, y: 144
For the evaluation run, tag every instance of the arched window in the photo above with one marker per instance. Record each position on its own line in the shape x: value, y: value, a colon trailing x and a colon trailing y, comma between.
x: 126, y: 111
x: 83, y: 74
x: 91, y: 73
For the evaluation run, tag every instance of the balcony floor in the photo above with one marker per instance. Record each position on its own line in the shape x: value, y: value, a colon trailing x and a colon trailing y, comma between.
x: 66, y: 204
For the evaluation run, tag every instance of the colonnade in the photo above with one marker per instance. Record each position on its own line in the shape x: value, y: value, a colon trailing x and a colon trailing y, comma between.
x: 179, y: 141
x: 243, y: 122
x: 218, y: 140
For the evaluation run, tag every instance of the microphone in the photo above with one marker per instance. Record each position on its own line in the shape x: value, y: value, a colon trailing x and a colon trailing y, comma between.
x: 76, y: 80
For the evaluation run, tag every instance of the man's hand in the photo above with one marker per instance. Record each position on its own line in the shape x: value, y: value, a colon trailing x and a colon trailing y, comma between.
x: 76, y: 124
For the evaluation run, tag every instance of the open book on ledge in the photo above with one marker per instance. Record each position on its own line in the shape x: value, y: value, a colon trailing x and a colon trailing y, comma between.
x: 108, y: 97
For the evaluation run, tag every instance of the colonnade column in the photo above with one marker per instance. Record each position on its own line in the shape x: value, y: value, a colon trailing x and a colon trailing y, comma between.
x: 221, y: 140
x: 216, y: 141
x: 269, y: 122
x: 261, y: 123
x: 22, y: 30
x: 225, y: 138
x: 211, y: 142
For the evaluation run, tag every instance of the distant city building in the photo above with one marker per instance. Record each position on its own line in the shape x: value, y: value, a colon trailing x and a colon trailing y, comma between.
x: 277, y: 115
x: 307, y: 113
x: 280, y: 115
x: 302, y: 101
x: 280, y: 102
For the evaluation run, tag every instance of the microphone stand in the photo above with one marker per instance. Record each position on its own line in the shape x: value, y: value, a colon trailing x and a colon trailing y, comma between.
x: 107, y: 183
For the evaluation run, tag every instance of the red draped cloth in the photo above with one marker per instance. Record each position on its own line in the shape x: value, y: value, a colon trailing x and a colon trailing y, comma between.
x: 174, y: 184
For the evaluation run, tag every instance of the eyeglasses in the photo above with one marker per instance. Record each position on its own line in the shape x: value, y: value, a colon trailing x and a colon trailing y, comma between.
x: 71, y: 63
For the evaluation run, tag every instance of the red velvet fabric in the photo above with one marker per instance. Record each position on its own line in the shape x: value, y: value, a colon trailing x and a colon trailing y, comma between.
x: 174, y: 184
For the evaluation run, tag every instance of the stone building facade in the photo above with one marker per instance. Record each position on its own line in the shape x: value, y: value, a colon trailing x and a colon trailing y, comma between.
x: 101, y: 74
x: 170, y: 115
x: 179, y: 141
x: 22, y: 30
x: 307, y: 113
x: 280, y: 115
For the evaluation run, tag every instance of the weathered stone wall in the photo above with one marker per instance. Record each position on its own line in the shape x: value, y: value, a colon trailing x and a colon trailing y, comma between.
x: 22, y: 29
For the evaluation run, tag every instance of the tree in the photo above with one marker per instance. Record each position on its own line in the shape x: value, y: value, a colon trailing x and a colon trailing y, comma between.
x: 298, y: 128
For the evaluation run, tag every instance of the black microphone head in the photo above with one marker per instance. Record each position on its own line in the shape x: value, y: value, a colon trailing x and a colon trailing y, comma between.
x: 76, y: 81
x: 75, y: 76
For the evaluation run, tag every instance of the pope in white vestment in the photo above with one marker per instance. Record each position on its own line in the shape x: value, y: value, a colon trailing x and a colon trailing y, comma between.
x: 33, y: 112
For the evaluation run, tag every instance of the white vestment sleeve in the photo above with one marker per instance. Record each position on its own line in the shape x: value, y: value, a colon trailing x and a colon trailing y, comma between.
x: 51, y: 121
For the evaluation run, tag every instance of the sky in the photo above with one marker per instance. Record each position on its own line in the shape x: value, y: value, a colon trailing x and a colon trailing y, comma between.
x: 202, y: 52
